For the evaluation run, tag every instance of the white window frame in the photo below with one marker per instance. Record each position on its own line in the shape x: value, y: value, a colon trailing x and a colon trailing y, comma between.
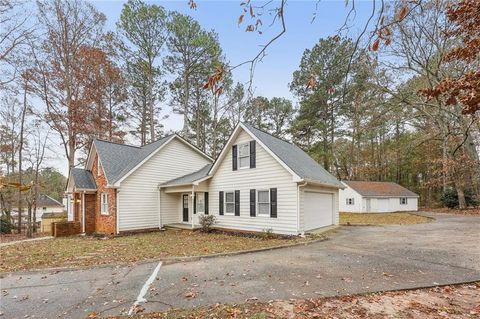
x: 98, y: 166
x: 258, y: 203
x: 104, y: 204
x: 402, y: 201
x: 201, y: 195
x: 239, y: 146
x: 233, y: 202
x: 350, y: 201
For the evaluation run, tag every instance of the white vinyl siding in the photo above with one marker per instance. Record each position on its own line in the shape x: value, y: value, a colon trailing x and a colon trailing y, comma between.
x: 170, y: 207
x: 349, y: 193
x: 139, y: 198
x: 268, y: 173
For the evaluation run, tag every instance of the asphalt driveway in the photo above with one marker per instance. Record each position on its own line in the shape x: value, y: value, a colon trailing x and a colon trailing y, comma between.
x: 354, y: 260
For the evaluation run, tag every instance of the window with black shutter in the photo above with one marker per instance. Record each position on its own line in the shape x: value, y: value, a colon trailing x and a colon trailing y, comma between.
x: 220, y: 203
x: 252, y: 203
x: 253, y: 154
x: 234, y: 157
x: 206, y: 202
x: 237, y: 203
x: 273, y: 202
x: 194, y: 203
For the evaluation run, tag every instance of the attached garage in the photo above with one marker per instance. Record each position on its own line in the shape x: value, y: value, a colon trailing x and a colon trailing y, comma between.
x: 318, y: 209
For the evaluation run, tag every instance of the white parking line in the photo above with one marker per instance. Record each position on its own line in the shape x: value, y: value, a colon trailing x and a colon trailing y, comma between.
x: 143, y: 291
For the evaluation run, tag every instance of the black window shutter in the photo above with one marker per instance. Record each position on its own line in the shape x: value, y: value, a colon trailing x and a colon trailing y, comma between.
x: 220, y: 203
x: 273, y: 202
x: 237, y: 203
x: 194, y: 203
x: 234, y: 157
x: 252, y: 203
x: 253, y: 154
x: 205, y: 199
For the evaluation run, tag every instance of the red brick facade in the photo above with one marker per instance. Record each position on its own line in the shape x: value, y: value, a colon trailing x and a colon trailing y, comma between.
x: 96, y: 222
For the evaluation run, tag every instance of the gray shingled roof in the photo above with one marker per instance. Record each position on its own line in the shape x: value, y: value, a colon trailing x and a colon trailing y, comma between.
x: 295, y: 158
x: 47, y: 201
x: 190, y: 178
x: 382, y: 189
x: 118, y: 159
x: 83, y: 179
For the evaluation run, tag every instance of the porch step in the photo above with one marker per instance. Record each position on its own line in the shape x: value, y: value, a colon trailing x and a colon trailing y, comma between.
x: 181, y: 226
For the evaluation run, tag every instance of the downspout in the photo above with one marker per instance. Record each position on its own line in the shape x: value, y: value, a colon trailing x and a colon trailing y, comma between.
x: 159, y: 208
x: 117, y: 204
x: 193, y: 202
x: 298, y: 208
x: 83, y: 212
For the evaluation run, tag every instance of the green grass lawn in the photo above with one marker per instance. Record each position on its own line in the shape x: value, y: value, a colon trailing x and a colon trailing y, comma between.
x: 86, y: 251
x: 382, y: 219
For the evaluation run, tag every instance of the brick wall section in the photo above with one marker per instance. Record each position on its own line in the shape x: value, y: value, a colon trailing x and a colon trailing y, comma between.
x: 66, y: 228
x: 105, y: 224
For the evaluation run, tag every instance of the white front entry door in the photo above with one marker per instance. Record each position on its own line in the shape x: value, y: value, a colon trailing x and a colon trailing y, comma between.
x: 318, y: 210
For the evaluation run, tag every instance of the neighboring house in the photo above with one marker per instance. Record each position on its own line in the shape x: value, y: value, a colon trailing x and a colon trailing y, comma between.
x: 376, y: 197
x: 257, y: 183
x: 45, y: 204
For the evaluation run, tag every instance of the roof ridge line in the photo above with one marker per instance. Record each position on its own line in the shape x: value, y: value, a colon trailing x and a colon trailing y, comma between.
x: 166, y: 136
x: 263, y: 131
x: 116, y: 143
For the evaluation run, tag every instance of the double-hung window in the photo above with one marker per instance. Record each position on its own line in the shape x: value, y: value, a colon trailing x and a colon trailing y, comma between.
x: 350, y: 201
x: 244, y: 155
x: 263, y: 202
x: 403, y: 201
x: 229, y: 203
x: 200, y: 203
x: 104, y: 204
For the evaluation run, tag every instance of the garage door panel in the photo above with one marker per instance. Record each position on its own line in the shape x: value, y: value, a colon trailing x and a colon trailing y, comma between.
x: 318, y: 210
x: 382, y: 205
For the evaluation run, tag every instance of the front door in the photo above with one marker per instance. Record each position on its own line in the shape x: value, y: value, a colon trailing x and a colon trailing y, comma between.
x: 185, y: 207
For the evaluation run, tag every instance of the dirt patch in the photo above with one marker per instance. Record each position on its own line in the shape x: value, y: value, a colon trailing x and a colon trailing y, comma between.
x: 382, y: 219
x: 453, y: 302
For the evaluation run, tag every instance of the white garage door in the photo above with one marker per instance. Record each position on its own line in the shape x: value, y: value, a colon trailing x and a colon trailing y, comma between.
x: 318, y: 210
x: 383, y: 205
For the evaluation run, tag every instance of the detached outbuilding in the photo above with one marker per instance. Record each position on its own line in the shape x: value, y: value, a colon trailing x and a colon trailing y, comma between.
x: 376, y: 197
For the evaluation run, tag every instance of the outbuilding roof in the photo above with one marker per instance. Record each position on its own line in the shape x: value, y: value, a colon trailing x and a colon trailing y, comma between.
x: 380, y: 189
x: 83, y: 179
x: 190, y: 178
x: 47, y: 201
x: 295, y: 158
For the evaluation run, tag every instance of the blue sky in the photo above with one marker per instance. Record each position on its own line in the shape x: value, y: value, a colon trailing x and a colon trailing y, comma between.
x: 273, y: 75
x: 275, y: 72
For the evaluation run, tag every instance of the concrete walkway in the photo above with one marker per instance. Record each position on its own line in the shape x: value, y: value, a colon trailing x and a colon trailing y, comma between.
x: 10, y: 243
x: 356, y: 259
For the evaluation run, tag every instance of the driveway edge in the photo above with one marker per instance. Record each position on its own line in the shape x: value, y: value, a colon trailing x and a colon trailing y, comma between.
x: 168, y: 260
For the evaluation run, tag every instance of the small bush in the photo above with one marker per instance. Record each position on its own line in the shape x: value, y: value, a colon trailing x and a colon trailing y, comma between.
x: 207, y: 222
x: 267, y: 233
x: 450, y: 198
x: 6, y: 225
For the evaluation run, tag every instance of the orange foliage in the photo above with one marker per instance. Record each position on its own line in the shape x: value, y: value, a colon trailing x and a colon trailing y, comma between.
x: 465, y: 89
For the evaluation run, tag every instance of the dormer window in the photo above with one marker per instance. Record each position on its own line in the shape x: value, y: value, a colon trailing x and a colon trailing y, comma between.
x: 244, y: 155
